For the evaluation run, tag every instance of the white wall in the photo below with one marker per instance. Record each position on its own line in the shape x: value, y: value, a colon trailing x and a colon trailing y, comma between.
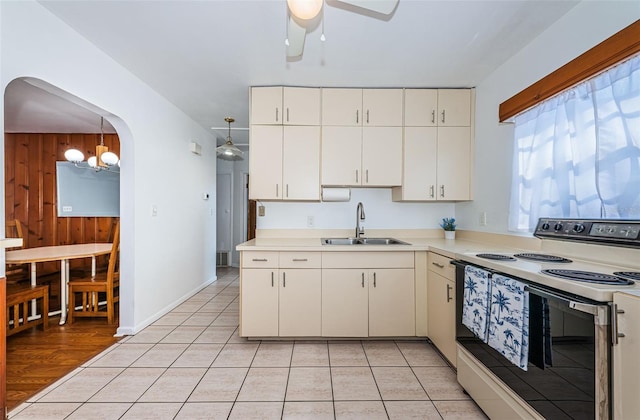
x: 381, y: 212
x: 163, y: 258
x: 583, y: 27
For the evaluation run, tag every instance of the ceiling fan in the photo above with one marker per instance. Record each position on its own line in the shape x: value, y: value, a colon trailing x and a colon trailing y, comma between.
x: 303, y: 16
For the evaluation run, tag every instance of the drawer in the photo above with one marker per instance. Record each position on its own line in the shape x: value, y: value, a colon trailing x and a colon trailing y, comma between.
x: 260, y: 259
x: 300, y: 259
x: 441, y: 265
x: 346, y: 259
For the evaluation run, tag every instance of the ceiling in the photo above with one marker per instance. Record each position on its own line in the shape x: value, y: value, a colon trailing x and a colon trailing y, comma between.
x: 204, y: 55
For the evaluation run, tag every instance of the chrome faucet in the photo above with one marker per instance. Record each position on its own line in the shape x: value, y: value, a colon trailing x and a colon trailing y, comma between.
x: 359, y: 216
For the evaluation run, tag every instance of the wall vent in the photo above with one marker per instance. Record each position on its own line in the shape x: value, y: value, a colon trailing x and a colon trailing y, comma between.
x: 222, y: 259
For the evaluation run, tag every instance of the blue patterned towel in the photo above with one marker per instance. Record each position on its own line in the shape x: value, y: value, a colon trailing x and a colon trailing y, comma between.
x: 509, y: 320
x: 475, y: 307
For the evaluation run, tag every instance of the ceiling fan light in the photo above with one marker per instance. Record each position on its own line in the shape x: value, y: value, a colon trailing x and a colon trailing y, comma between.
x: 109, y: 158
x: 74, y: 155
x: 93, y: 162
x: 305, y: 9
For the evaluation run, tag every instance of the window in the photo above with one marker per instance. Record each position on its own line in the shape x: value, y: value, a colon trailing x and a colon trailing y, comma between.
x: 578, y: 153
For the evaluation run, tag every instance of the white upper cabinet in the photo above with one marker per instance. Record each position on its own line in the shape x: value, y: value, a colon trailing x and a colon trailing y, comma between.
x: 358, y: 107
x: 437, y: 107
x: 454, y: 107
x: 285, y: 105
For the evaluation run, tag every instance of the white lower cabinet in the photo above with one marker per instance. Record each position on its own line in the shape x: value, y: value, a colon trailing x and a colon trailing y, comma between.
x: 299, y: 303
x: 626, y: 371
x: 441, y: 305
x: 259, y: 313
x: 391, y: 303
x: 345, y: 299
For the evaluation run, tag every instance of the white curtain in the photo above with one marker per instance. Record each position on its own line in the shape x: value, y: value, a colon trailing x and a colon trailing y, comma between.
x: 578, y: 153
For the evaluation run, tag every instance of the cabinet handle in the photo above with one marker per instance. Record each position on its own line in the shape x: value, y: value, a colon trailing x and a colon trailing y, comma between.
x: 443, y: 115
x: 614, y: 323
x: 356, y: 176
x: 284, y: 279
x: 260, y: 259
x: 287, y: 114
x: 432, y: 191
x: 300, y: 259
x: 276, y: 114
x: 442, y: 190
x: 287, y: 190
x: 433, y: 116
x: 357, y: 116
x: 374, y: 279
x: 367, y: 116
x: 362, y: 279
x: 437, y: 264
x: 277, y: 192
x: 367, y: 175
x: 449, y: 288
x: 272, y: 279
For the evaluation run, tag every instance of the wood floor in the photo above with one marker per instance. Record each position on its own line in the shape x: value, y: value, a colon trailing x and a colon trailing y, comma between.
x: 36, y: 358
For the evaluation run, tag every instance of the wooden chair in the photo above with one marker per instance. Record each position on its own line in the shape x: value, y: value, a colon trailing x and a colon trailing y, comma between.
x: 19, y: 307
x: 92, y: 289
x: 16, y: 273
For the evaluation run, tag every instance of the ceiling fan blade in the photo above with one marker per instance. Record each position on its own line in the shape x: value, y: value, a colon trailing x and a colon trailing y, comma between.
x: 296, y: 35
x: 384, y: 7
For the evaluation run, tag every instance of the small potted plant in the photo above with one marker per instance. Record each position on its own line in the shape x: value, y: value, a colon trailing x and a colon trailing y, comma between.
x: 449, y: 226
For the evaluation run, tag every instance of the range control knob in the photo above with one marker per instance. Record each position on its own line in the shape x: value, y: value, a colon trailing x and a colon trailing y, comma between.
x: 558, y: 227
x: 579, y: 228
x: 545, y: 226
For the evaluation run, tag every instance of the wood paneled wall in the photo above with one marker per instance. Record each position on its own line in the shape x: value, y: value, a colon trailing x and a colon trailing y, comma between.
x: 30, y: 188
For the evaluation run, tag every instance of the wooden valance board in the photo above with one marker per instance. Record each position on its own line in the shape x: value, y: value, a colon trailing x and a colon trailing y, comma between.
x: 618, y: 47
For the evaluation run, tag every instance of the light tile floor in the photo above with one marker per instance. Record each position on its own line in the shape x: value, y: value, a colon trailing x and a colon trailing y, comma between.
x: 191, y: 364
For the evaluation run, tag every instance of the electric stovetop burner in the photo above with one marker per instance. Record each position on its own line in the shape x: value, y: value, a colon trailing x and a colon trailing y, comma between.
x: 497, y: 257
x: 631, y: 275
x: 589, y: 277
x: 542, y: 257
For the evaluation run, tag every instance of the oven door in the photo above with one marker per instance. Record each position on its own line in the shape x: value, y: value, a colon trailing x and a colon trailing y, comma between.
x: 569, y: 349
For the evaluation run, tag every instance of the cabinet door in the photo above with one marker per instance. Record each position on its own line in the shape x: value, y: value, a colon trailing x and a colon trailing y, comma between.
x: 300, y: 304
x: 341, y: 155
x: 266, y: 105
x: 454, y: 107
x: 301, y: 106
x: 381, y: 156
x: 454, y: 163
x: 626, y: 371
x: 441, y: 314
x: 301, y: 163
x: 259, y: 295
x: 345, y: 300
x: 342, y: 107
x: 420, y: 107
x: 265, y: 165
x: 420, y: 163
x: 382, y: 107
x: 391, y: 303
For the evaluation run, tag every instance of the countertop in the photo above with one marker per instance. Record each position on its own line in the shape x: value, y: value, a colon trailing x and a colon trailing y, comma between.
x: 466, y: 250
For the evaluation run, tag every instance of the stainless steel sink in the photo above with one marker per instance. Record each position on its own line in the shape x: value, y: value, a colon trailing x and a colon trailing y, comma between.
x: 362, y: 241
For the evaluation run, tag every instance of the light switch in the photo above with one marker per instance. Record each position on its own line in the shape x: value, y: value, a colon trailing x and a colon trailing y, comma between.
x: 154, y: 210
x: 260, y: 210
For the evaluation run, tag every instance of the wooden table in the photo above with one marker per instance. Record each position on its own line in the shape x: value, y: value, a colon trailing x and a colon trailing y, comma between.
x: 62, y: 253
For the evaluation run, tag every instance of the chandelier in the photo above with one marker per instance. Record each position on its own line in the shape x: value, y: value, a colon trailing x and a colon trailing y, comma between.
x: 104, y: 160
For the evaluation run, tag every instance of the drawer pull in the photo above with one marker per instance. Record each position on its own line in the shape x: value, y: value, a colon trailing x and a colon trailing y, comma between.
x: 437, y: 265
x: 300, y: 259
x: 259, y: 259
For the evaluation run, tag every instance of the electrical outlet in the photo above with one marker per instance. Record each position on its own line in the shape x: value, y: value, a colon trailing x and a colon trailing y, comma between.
x: 261, y: 210
x: 311, y: 221
x: 66, y: 209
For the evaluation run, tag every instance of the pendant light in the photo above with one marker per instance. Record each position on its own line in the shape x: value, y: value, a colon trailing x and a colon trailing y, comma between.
x: 228, y: 151
x: 103, y: 160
